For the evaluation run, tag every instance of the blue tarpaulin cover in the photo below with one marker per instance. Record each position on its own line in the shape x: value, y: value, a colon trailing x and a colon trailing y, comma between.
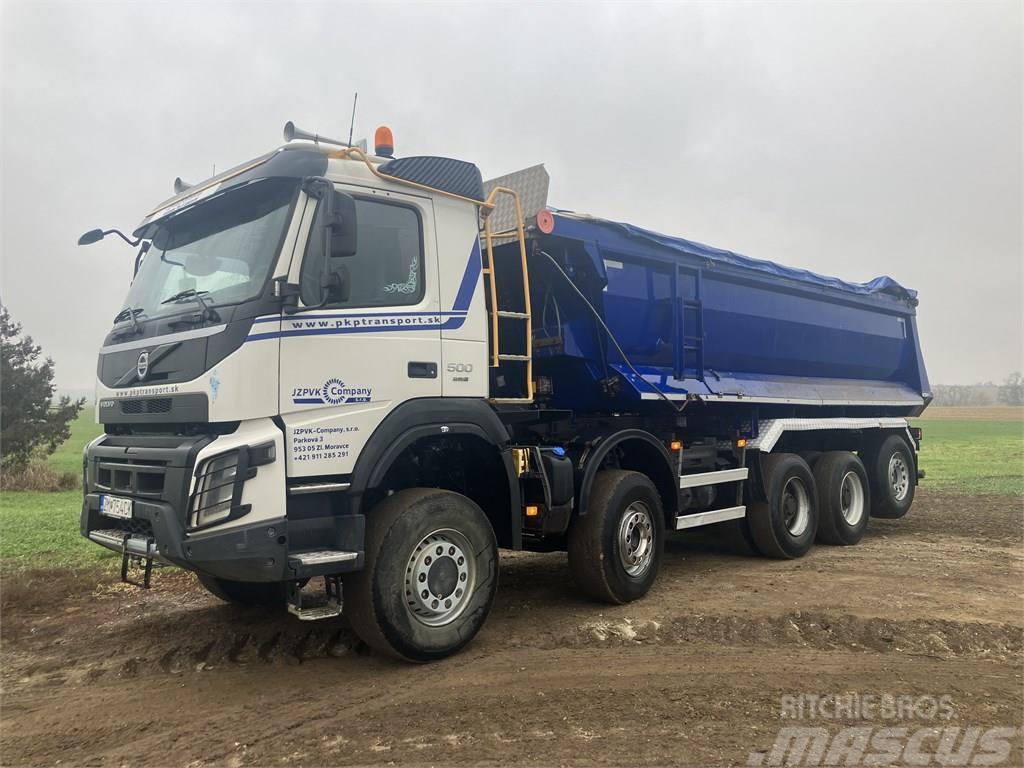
x: 883, y: 284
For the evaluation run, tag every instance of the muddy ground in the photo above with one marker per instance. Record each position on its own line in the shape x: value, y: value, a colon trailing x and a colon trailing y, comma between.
x: 101, y: 674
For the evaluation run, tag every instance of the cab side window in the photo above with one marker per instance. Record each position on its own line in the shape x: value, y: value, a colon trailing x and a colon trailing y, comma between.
x: 387, y: 269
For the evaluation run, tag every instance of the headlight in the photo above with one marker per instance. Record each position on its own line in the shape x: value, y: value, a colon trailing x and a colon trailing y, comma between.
x: 217, y: 479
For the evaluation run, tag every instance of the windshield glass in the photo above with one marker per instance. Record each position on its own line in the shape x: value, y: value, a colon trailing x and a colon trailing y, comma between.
x: 221, y: 249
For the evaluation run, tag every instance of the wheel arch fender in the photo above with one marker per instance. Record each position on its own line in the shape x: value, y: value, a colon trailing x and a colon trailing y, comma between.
x: 415, y: 420
x: 640, y: 451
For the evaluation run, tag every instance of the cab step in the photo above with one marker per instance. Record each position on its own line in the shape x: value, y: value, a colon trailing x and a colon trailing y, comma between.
x: 325, y: 606
x: 322, y: 557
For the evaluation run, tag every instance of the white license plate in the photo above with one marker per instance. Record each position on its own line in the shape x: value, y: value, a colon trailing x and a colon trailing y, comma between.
x: 115, y: 506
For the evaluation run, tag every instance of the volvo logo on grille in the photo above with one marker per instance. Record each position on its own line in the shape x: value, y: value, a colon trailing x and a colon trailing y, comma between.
x: 142, y: 367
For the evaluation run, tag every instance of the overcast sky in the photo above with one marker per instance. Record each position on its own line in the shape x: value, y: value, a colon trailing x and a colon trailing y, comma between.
x: 853, y: 139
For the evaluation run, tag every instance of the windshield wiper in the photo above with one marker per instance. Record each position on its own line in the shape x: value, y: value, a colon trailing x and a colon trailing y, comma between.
x: 188, y: 293
x: 132, y: 314
x: 208, y: 313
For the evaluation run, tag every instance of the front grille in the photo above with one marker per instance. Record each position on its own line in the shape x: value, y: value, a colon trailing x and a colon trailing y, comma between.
x: 131, y: 476
x: 146, y: 405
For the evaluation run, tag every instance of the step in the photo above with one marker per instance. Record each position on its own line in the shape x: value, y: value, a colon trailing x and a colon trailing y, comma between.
x: 135, y: 544
x: 713, y: 478
x: 327, y: 611
x: 710, y: 517
x: 323, y: 557
x: 521, y: 358
x: 514, y: 315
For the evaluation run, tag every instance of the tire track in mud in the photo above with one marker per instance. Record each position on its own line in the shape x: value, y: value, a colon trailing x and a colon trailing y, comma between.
x: 196, y: 649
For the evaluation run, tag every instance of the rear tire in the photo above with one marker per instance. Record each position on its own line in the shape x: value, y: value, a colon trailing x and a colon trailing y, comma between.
x: 844, y: 499
x: 735, y: 534
x: 430, y: 575
x: 891, y: 471
x: 615, y: 548
x: 784, y: 526
x: 251, y: 594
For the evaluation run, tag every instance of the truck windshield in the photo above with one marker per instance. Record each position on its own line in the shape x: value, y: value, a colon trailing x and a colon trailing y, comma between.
x: 222, y: 249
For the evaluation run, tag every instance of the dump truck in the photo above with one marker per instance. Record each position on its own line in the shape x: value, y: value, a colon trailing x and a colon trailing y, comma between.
x: 370, y: 372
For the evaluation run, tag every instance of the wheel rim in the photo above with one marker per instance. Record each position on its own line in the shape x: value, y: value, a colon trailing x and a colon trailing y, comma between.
x: 440, y: 577
x: 796, y: 506
x: 899, y: 476
x: 636, y: 539
x: 851, y: 498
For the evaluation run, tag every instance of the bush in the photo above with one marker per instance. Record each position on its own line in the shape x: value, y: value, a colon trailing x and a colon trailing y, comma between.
x: 38, y: 476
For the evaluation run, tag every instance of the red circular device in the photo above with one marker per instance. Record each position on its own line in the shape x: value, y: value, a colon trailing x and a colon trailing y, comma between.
x: 545, y: 222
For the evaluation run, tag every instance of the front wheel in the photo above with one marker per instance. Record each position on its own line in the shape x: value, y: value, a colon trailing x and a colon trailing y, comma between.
x: 615, y: 548
x: 251, y: 594
x: 429, y: 578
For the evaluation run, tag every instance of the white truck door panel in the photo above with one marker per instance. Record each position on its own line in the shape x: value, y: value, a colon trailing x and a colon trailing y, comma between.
x: 344, y: 368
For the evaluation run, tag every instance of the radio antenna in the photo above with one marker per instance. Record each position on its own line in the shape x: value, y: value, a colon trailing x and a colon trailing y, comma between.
x: 352, y: 124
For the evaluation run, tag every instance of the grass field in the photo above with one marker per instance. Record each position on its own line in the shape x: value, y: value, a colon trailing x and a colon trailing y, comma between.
x: 983, y: 453
x: 973, y: 456
x: 41, y: 529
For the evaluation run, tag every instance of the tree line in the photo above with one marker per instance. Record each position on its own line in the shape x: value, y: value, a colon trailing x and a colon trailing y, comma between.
x: 1010, y: 392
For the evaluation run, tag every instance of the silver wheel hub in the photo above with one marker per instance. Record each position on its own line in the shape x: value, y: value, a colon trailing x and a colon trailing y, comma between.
x: 899, y: 476
x: 636, y: 539
x: 851, y: 498
x: 440, y: 577
x: 796, y: 506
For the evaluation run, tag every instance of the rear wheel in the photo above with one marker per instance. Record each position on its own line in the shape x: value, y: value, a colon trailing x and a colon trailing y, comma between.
x: 784, y: 526
x: 253, y: 594
x: 430, y: 575
x: 891, y: 474
x: 843, y: 498
x: 615, y: 548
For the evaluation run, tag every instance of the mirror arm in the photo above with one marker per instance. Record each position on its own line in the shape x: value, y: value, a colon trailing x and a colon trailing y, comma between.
x: 138, y: 257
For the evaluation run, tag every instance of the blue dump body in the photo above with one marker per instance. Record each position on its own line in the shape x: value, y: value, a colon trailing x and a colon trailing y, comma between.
x: 696, y: 320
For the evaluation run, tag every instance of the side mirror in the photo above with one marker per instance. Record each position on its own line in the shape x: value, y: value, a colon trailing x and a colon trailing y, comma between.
x: 340, y: 238
x: 90, y: 237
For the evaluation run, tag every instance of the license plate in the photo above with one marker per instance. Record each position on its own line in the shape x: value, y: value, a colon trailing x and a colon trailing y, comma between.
x: 115, y: 506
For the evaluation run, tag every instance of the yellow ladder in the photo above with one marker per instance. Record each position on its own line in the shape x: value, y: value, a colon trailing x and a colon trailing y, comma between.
x: 490, y: 271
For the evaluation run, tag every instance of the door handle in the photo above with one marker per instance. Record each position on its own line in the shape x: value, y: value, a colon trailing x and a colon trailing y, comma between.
x: 422, y: 370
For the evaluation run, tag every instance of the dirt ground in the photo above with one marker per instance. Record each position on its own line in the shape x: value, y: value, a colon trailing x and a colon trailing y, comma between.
x: 692, y: 675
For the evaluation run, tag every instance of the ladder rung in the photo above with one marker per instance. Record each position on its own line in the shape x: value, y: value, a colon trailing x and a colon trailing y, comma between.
x: 514, y: 315
x: 514, y: 357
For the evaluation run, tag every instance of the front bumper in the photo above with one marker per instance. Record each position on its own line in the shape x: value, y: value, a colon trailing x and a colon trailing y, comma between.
x: 257, y: 552
x: 157, y: 473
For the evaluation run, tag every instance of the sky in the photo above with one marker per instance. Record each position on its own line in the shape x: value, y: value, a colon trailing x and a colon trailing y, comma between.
x: 854, y: 139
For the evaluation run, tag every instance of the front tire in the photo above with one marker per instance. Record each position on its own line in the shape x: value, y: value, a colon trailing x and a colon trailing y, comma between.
x: 250, y: 594
x: 615, y: 548
x: 430, y: 575
x: 844, y: 500
x: 891, y: 472
x: 785, y: 524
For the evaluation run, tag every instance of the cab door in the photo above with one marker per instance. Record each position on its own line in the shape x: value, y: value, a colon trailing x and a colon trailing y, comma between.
x: 345, y: 365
